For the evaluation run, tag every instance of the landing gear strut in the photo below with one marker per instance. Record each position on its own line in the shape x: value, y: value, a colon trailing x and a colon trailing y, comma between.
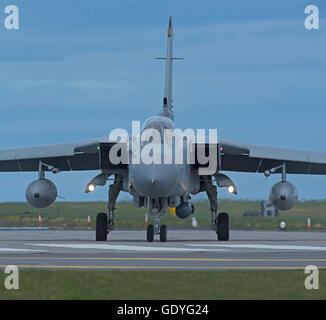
x: 103, y: 224
x: 114, y: 191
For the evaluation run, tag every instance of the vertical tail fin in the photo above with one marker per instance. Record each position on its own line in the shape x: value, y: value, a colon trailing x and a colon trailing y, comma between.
x: 167, y: 99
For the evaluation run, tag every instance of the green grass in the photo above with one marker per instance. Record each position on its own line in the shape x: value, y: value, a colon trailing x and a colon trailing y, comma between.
x: 66, y: 284
x: 74, y: 215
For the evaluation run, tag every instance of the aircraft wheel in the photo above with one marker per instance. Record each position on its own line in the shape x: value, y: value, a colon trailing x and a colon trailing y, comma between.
x: 101, y: 226
x: 150, y: 233
x: 163, y: 233
x: 223, y: 227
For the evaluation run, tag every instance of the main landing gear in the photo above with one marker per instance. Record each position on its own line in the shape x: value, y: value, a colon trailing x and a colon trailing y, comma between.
x: 219, y: 223
x: 104, y: 224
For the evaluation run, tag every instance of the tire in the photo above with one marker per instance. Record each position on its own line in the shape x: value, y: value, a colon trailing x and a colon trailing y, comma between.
x: 101, y: 226
x: 150, y: 233
x: 163, y: 233
x: 222, y: 231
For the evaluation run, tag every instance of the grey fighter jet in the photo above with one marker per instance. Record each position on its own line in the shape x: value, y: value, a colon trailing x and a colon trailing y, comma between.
x: 161, y: 186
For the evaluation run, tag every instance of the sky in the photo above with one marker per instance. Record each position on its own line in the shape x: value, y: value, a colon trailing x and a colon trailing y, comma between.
x: 79, y: 69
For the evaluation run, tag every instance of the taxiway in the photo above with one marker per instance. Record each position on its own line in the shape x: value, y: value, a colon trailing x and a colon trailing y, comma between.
x: 185, y: 250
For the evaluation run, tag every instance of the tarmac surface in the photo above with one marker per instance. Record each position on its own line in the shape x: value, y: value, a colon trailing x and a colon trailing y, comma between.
x: 184, y: 250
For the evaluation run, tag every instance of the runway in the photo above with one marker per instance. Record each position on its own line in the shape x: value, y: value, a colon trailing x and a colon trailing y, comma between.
x: 185, y: 250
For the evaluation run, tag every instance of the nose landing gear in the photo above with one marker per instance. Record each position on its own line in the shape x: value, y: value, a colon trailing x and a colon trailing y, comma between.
x: 163, y: 232
x: 157, y: 210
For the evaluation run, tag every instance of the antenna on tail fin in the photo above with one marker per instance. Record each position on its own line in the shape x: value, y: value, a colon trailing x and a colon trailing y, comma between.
x: 167, y: 99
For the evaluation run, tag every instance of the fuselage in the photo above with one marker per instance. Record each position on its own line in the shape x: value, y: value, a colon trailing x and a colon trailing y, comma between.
x: 168, y: 178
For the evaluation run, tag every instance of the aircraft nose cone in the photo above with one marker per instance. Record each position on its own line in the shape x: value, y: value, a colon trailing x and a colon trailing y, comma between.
x: 154, y: 180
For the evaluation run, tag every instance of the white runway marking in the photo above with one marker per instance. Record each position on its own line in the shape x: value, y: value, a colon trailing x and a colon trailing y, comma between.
x: 20, y: 250
x: 261, y: 246
x: 123, y: 247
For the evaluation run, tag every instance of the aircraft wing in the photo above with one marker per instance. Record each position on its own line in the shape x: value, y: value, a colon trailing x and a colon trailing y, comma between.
x: 90, y: 154
x: 238, y: 156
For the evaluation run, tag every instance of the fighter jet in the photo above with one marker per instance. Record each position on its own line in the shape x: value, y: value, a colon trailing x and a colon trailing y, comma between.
x: 161, y: 186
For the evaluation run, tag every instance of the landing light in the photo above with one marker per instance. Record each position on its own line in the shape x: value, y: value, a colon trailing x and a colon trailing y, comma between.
x: 90, y: 187
x: 282, y: 225
x: 231, y: 189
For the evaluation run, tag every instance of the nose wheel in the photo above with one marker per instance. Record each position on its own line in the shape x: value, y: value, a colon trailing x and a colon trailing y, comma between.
x: 163, y: 233
x: 150, y: 232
